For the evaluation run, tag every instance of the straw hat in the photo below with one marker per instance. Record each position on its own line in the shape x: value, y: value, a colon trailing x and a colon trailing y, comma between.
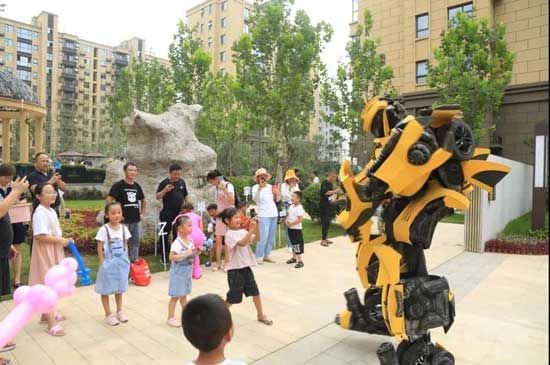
x: 260, y: 172
x: 290, y: 174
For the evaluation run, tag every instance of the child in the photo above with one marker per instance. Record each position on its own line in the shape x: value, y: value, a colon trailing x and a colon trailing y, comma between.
x: 47, y: 247
x: 114, y: 265
x: 182, y: 253
x: 245, y: 221
x: 211, y: 228
x: 239, y: 273
x: 197, y: 236
x: 209, y: 328
x: 294, y: 223
x: 7, y: 173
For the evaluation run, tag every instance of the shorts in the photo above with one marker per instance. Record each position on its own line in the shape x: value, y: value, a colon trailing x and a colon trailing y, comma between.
x: 19, y: 233
x: 296, y: 240
x: 221, y: 228
x: 241, y: 281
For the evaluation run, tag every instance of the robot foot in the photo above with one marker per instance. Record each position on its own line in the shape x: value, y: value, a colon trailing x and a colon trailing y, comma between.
x: 420, y: 352
x: 361, y: 317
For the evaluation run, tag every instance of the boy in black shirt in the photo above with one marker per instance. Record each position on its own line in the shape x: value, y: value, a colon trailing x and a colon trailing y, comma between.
x: 130, y: 196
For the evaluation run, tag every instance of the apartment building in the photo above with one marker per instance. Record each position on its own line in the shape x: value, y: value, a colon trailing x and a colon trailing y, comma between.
x: 72, y: 77
x: 219, y: 24
x: 409, y: 31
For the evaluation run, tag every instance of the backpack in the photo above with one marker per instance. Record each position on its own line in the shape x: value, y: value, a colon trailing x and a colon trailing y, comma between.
x: 139, y: 272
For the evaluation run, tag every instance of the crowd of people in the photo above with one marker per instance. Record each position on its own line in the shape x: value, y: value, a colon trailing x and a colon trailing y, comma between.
x: 232, y: 227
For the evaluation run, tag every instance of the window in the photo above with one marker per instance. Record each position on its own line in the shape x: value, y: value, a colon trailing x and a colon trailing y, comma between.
x: 209, y: 25
x: 210, y: 8
x: 35, y: 48
x: 103, y: 64
x: 24, y: 33
x: 223, y: 72
x: 87, y: 85
x: 354, y: 10
x: 223, y: 22
x: 246, y: 13
x: 422, y: 26
x: 102, y: 53
x: 8, y: 28
x: 24, y: 47
x: 421, y: 72
x: 24, y: 75
x: 8, y: 42
x: 35, y: 75
x: 8, y: 56
x: 103, y: 76
x: 224, y: 5
x: 202, y: 28
x: 103, y: 88
x: 23, y: 61
x: 467, y: 8
x: 222, y: 56
x: 49, y: 57
x: 209, y: 42
x: 223, y: 39
x: 34, y: 35
x: 35, y: 61
x: 8, y: 69
x: 202, y: 12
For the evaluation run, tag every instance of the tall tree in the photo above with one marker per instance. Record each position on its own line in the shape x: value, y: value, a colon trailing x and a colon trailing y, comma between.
x: 364, y: 75
x: 190, y: 64
x: 473, y: 67
x: 277, y: 70
x: 223, y: 121
x: 146, y: 86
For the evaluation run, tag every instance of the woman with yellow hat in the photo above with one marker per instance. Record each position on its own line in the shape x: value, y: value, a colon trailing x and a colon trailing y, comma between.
x: 289, y: 186
x: 265, y: 195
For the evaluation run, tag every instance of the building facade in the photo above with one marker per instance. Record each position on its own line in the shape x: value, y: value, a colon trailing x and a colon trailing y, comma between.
x: 409, y: 47
x: 220, y: 23
x: 72, y: 77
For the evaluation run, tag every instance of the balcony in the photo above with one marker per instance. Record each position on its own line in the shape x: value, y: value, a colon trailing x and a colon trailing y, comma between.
x: 108, y: 71
x: 81, y: 77
x: 109, y: 59
x: 67, y: 100
x: 69, y: 63
x: 122, y: 61
x: 67, y: 112
x: 69, y: 76
x: 2, y: 33
x: 69, y: 88
x: 69, y: 50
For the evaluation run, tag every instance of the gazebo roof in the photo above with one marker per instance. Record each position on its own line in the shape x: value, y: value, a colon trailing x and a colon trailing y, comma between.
x: 13, y: 88
x: 70, y: 154
x: 94, y: 154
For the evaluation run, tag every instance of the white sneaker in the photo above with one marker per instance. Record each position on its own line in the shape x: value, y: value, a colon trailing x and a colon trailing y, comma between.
x: 111, y: 320
x: 260, y: 260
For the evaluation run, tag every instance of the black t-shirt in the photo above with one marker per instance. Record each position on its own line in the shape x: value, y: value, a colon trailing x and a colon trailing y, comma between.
x: 325, y: 187
x: 173, y: 200
x: 129, y: 197
x: 36, y: 178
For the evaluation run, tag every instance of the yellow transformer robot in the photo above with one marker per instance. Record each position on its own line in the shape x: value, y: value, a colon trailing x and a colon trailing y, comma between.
x: 421, y: 169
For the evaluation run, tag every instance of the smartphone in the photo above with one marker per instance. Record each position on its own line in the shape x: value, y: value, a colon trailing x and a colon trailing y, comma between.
x: 252, y: 212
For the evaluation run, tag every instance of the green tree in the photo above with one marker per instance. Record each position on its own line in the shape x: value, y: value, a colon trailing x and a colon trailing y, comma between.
x: 146, y: 86
x: 223, y: 121
x: 473, y: 67
x: 278, y: 64
x: 190, y: 64
x: 363, y: 76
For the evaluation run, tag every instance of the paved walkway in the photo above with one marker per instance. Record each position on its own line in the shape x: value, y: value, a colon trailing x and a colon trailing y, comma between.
x: 502, y: 304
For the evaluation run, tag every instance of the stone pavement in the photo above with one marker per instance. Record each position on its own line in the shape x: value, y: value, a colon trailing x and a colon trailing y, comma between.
x: 502, y: 304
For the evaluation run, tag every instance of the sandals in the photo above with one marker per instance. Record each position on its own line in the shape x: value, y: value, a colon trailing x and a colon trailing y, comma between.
x: 325, y: 244
x: 9, y: 346
x: 291, y: 261
x: 56, y: 331
x: 269, y: 259
x: 266, y: 321
x: 4, y: 361
x: 299, y: 265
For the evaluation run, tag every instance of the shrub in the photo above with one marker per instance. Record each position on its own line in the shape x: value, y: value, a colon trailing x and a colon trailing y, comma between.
x: 310, y: 201
x: 83, y: 194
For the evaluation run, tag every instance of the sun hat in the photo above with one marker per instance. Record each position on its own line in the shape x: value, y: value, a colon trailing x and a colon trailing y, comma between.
x: 260, y: 172
x: 291, y: 174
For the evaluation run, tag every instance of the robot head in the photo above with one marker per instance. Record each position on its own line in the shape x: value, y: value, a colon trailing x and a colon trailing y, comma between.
x: 380, y: 115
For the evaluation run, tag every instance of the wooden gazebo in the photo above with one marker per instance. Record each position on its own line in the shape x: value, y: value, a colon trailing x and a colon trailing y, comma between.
x: 18, y: 102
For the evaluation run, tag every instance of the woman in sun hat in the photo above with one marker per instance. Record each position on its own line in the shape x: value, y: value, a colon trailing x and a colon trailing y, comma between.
x: 265, y: 195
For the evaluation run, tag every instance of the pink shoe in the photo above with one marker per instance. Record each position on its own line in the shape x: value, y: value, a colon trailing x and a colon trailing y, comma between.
x: 173, y: 322
x: 111, y: 320
x: 122, y: 317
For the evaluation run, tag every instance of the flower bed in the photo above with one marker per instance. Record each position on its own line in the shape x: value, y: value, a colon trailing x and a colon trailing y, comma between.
x: 82, y: 227
x: 518, y: 246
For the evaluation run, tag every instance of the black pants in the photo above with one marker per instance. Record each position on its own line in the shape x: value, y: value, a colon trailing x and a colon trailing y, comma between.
x: 169, y: 235
x: 326, y: 217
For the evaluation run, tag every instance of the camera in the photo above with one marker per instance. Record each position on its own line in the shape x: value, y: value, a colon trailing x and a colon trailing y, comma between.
x: 252, y: 212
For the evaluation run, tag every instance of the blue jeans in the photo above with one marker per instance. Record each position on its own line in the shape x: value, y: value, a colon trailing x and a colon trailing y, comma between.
x: 133, y: 242
x: 268, y: 232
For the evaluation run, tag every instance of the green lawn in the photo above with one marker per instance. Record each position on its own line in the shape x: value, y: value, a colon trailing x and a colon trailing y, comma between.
x: 521, y: 226
x: 85, y: 204
x: 457, y: 218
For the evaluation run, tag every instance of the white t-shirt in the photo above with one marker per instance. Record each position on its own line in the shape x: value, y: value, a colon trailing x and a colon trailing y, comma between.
x: 316, y: 180
x: 241, y: 256
x: 294, y: 212
x: 265, y: 201
x: 225, y: 362
x: 115, y: 234
x: 44, y: 221
x: 287, y: 190
x: 179, y: 247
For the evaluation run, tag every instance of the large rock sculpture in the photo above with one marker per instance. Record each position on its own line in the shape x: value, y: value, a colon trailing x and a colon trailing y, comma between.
x: 156, y: 141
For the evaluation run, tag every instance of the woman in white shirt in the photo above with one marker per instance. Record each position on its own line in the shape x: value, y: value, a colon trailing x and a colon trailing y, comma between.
x: 265, y: 195
x: 289, y: 186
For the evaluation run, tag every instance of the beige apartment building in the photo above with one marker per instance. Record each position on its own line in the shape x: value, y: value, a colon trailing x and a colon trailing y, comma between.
x: 219, y: 23
x: 72, y: 77
x: 410, y: 30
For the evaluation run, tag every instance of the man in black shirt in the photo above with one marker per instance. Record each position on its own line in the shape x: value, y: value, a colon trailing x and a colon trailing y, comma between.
x: 173, y: 193
x: 327, y: 190
x: 130, y: 196
x: 42, y: 174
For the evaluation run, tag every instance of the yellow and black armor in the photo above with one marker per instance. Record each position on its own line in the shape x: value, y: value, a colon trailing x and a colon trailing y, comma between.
x: 420, y: 171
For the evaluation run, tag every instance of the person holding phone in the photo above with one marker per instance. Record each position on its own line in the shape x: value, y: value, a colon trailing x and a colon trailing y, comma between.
x: 265, y: 195
x: 43, y: 174
x: 173, y: 193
